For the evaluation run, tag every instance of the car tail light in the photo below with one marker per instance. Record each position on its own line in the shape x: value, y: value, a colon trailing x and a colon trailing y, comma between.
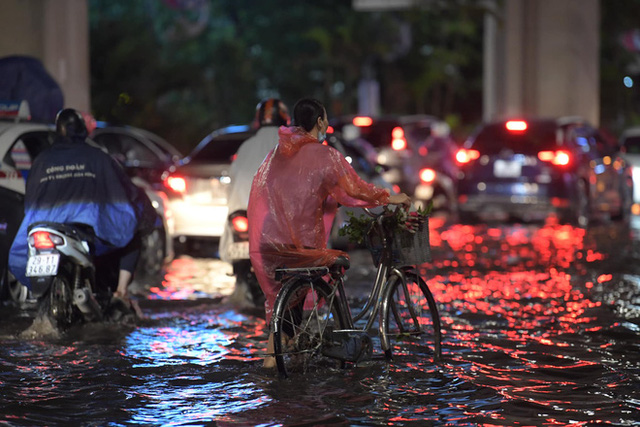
x: 398, y: 141
x: 330, y: 129
x: 240, y: 224
x: 176, y: 183
x: 427, y: 175
x: 516, y: 125
x: 464, y: 156
x: 362, y: 121
x: 558, y: 157
x: 45, y: 240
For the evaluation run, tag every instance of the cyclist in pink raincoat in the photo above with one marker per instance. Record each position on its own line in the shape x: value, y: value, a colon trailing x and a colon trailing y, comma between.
x: 291, y: 198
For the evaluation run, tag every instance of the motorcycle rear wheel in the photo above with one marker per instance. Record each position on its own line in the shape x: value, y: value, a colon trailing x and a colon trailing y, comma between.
x: 58, y: 303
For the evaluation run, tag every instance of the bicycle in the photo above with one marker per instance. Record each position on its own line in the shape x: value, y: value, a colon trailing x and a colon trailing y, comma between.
x: 312, y: 323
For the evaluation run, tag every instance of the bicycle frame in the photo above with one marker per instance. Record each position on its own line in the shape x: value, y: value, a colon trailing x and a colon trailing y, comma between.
x: 347, y: 342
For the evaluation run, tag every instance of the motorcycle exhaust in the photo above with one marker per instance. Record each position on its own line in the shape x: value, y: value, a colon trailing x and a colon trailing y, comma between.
x: 84, y: 300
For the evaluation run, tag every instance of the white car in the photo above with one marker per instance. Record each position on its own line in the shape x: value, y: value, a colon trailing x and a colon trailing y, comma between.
x: 198, y: 187
x: 630, y: 146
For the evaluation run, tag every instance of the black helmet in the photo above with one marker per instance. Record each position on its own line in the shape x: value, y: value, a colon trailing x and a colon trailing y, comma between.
x: 70, y: 123
x: 271, y: 112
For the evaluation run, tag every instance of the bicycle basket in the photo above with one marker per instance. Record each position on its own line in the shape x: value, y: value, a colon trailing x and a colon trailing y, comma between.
x: 407, y: 248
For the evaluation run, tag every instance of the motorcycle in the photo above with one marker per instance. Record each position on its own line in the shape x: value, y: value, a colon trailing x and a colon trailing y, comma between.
x: 236, y: 249
x: 62, y: 272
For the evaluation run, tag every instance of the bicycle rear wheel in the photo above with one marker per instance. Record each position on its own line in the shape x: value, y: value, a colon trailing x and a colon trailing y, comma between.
x: 305, y: 313
x: 410, y: 320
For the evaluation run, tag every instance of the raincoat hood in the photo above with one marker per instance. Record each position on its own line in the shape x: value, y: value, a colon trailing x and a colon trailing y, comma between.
x: 292, y: 139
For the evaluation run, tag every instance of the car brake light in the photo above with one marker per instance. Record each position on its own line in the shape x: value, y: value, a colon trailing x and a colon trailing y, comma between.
x: 464, y: 156
x: 398, y: 141
x: 558, y: 158
x: 362, y: 121
x: 45, y: 240
x: 176, y: 183
x: 516, y: 125
x: 330, y: 129
x: 427, y: 175
x: 240, y: 224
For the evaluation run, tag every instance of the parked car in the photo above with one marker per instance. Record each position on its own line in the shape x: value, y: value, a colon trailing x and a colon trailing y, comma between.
x: 417, y: 152
x: 197, y: 188
x: 528, y: 169
x: 630, y: 146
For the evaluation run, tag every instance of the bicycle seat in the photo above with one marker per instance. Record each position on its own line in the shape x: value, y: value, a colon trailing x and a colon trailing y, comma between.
x: 342, y: 262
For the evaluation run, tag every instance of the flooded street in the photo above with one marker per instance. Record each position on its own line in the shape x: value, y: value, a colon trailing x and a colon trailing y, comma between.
x: 541, y: 326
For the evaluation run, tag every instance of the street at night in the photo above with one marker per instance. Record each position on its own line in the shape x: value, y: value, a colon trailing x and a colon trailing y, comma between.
x: 540, y: 325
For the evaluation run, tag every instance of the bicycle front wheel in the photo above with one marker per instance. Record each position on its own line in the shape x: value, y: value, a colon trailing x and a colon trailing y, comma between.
x: 306, y: 311
x: 410, y: 322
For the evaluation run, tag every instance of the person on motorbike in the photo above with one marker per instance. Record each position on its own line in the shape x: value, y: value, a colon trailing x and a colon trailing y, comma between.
x: 271, y: 113
x: 75, y: 182
x: 288, y: 205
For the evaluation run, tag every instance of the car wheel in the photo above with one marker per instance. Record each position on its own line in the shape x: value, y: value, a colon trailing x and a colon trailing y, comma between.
x: 152, y: 254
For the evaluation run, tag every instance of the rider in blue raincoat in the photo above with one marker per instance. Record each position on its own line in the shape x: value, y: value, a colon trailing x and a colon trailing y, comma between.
x: 74, y: 182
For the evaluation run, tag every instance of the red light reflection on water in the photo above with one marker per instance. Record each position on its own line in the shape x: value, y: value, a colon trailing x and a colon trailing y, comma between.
x: 518, y: 292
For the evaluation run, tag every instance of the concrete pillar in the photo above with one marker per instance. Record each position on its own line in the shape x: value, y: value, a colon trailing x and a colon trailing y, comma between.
x: 57, y: 33
x: 549, y: 56
x: 66, y: 49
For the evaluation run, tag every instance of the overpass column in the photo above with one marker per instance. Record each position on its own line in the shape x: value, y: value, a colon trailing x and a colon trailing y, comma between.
x: 547, y: 56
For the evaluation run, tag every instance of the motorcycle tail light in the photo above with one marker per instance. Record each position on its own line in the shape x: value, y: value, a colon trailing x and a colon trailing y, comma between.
x: 44, y: 240
x: 398, y: 141
x: 427, y: 175
x: 240, y: 224
x: 176, y: 183
x: 464, y: 156
x: 558, y: 157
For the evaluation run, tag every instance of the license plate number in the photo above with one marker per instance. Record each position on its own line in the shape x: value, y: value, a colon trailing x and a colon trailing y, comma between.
x: 507, y: 169
x: 43, y: 265
x: 238, y: 250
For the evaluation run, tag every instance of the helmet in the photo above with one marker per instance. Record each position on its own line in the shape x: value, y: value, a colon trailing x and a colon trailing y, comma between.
x: 70, y: 123
x: 271, y: 112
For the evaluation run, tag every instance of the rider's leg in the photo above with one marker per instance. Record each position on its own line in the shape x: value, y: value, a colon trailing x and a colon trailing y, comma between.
x: 269, y: 360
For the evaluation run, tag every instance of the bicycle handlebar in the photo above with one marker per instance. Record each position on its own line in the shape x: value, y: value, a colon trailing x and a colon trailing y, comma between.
x: 386, y: 210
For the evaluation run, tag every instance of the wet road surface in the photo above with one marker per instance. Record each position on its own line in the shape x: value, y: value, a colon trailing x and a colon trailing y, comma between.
x: 541, y: 326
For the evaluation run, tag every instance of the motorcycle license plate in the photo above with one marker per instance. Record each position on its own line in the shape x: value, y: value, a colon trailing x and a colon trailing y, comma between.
x: 238, y: 250
x: 43, y: 265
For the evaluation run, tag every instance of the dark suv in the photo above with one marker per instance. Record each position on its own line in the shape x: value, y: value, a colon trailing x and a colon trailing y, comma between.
x: 416, y: 151
x: 529, y: 168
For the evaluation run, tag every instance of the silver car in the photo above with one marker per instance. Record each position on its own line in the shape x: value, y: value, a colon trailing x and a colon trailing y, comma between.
x: 197, y: 188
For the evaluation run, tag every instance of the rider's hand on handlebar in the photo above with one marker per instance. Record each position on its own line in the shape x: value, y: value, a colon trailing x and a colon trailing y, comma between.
x: 400, y: 199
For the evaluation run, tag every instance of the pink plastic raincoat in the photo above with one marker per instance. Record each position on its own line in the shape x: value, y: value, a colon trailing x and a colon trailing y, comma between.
x: 293, y: 201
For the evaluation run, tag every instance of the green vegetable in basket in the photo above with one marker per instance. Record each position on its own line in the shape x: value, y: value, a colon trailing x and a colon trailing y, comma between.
x: 357, y: 228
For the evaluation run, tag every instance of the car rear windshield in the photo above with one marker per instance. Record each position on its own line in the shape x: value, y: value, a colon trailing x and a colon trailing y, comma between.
x: 632, y: 144
x: 494, y: 138
x: 219, y: 150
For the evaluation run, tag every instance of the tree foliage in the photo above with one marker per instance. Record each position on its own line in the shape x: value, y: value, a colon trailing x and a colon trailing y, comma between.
x: 182, y: 69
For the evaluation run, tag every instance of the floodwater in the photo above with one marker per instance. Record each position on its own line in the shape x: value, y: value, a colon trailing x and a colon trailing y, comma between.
x: 541, y: 326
